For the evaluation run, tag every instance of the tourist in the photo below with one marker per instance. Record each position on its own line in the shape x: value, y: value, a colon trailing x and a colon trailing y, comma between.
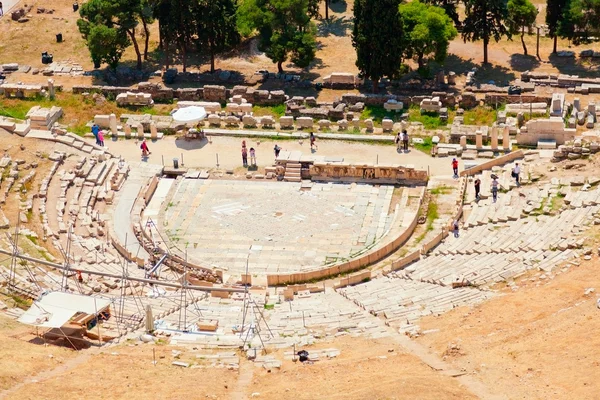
x: 277, y: 150
x: 144, y: 147
x: 515, y: 173
x: 455, y: 228
x: 398, y: 140
x: 100, y: 138
x: 244, y: 156
x: 405, y: 139
x: 455, y: 167
x: 312, y: 141
x: 495, y: 188
x: 252, y: 156
x: 95, y: 130
x: 477, y: 188
x: 1, y: 10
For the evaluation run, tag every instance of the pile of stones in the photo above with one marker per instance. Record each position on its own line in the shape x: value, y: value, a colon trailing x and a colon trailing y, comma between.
x: 575, y: 150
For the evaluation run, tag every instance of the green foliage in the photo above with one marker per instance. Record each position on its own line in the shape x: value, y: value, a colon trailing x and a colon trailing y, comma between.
x: 481, y: 115
x: 428, y: 30
x: 377, y: 38
x: 554, y: 14
x: 284, y: 28
x: 429, y: 120
x: 521, y: 15
x: 106, y: 45
x: 217, y: 26
x: 449, y: 6
x: 426, y: 146
x: 18, y: 111
x: 485, y: 20
x: 580, y: 21
x: 121, y: 15
x: 376, y: 113
x: 276, y: 110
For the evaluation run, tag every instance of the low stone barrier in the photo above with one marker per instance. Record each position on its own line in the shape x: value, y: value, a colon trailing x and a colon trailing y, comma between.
x: 493, y: 163
x: 369, y: 258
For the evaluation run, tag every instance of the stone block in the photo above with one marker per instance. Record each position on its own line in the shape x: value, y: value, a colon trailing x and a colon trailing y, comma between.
x: 342, y: 125
x: 387, y: 125
x: 286, y: 122
x: 305, y: 122
x: 267, y: 121
x: 324, y: 124
x: 249, y: 121
x: 214, y: 120
x: 369, y: 125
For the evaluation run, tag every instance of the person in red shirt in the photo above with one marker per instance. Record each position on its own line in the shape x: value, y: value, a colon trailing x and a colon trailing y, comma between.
x: 144, y: 147
x: 455, y: 167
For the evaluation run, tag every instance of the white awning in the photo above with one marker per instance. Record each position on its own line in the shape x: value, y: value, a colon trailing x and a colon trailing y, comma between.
x: 55, y: 309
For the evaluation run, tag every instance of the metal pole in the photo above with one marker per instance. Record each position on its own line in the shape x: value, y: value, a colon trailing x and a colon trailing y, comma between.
x: 217, y: 160
x: 131, y: 278
x: 163, y: 160
x: 182, y: 159
x: 97, y: 323
x: 537, y: 50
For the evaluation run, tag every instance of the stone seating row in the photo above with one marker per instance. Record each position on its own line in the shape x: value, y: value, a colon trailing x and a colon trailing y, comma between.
x: 403, y: 300
x: 483, y: 269
x: 543, y: 232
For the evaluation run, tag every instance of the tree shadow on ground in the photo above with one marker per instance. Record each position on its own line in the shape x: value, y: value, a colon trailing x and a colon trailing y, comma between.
x: 485, y: 73
x: 522, y: 63
x: 339, y: 6
x: 458, y: 64
x: 583, y: 67
x: 336, y: 26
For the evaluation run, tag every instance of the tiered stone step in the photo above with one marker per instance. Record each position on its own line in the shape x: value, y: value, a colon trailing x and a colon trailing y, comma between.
x: 401, y: 300
x: 292, y: 172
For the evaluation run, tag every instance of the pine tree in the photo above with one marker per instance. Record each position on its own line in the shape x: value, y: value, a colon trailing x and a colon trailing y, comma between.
x: 378, y: 38
x: 485, y: 20
x: 217, y: 26
x: 284, y: 27
x: 554, y: 14
x: 521, y: 15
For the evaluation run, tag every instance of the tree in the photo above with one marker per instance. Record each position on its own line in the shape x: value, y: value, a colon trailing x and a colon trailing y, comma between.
x: 521, y: 15
x: 427, y: 30
x: 484, y: 21
x: 284, y: 29
x: 579, y: 21
x: 313, y: 8
x: 450, y: 7
x: 122, y: 15
x: 106, y: 45
x: 554, y: 14
x: 377, y: 38
x: 217, y: 26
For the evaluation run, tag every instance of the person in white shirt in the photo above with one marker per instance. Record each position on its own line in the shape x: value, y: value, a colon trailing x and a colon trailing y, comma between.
x: 516, y: 172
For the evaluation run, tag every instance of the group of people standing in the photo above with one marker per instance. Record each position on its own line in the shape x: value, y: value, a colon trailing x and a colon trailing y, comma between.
x: 98, y: 134
x: 245, y: 155
x: 402, y: 140
x: 495, y: 184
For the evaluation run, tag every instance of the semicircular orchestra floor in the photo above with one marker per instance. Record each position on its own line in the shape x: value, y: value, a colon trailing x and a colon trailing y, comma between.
x: 277, y: 226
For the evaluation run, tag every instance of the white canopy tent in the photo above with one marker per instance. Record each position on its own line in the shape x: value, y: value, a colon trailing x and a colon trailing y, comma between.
x: 55, y: 309
x: 189, y: 114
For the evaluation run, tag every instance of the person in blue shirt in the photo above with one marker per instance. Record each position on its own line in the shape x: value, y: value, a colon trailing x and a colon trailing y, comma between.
x: 95, y: 130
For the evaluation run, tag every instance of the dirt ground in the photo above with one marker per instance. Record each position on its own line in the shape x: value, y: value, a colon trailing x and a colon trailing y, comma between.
x: 374, y: 369
x: 539, y: 342
x: 365, y: 368
x: 335, y: 52
x: 20, y: 359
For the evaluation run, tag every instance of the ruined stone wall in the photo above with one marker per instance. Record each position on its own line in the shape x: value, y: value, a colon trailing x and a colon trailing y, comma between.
x: 367, y: 173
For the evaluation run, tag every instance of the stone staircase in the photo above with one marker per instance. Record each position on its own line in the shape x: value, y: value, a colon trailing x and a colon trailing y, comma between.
x: 292, y: 172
